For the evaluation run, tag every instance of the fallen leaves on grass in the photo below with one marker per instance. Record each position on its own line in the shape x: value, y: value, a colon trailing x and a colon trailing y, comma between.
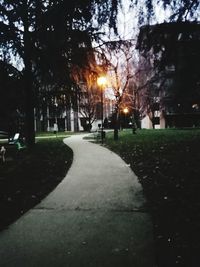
x: 167, y: 165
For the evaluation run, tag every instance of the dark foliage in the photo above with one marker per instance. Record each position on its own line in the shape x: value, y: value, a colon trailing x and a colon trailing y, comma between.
x: 167, y: 165
x: 182, y: 10
x: 49, y: 37
x: 174, y: 51
x: 26, y: 177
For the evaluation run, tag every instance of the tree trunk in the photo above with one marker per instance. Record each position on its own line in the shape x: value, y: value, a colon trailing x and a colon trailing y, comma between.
x: 29, y: 107
x: 116, y: 126
x: 28, y: 82
x: 116, y: 134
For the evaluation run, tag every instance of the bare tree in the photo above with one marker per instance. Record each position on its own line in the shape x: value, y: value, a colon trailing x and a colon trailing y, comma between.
x: 89, y: 99
x: 117, y: 56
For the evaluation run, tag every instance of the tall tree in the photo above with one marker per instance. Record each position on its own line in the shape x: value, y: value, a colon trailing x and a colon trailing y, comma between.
x: 117, y: 55
x: 45, y: 36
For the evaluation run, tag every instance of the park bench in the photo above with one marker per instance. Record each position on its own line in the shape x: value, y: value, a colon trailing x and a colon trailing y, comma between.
x: 15, y: 140
x: 2, y: 153
x: 3, y: 135
x: 10, y: 149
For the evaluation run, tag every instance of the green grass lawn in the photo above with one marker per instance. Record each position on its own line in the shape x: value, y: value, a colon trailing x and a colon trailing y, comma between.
x: 167, y: 163
x: 52, y: 134
x: 58, y: 134
x: 28, y: 176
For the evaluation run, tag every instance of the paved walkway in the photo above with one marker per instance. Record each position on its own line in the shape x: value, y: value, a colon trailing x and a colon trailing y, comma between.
x: 94, y: 218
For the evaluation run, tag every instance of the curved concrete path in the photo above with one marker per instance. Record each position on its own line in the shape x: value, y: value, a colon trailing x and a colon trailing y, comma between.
x: 95, y: 217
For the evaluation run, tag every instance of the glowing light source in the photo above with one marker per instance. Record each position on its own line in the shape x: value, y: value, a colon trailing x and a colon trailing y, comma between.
x: 125, y: 110
x: 101, y: 81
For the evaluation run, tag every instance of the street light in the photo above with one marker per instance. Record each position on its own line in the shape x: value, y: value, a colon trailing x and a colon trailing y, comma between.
x: 101, y: 81
x: 55, y: 126
x: 125, y: 110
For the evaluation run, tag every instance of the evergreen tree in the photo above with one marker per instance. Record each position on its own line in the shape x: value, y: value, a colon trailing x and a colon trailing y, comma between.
x: 47, y: 37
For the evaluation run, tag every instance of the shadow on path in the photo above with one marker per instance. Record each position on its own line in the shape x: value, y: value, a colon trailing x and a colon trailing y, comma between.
x: 95, y: 217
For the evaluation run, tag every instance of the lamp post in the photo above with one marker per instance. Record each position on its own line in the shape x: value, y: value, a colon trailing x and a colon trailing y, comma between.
x: 101, y: 81
x: 55, y: 126
x: 125, y: 110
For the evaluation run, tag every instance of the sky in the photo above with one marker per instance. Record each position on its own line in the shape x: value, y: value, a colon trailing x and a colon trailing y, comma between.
x: 127, y: 24
x: 128, y: 17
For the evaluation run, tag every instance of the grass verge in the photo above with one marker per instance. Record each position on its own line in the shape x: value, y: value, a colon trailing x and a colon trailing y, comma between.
x: 167, y: 163
x: 52, y: 134
x: 28, y: 176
